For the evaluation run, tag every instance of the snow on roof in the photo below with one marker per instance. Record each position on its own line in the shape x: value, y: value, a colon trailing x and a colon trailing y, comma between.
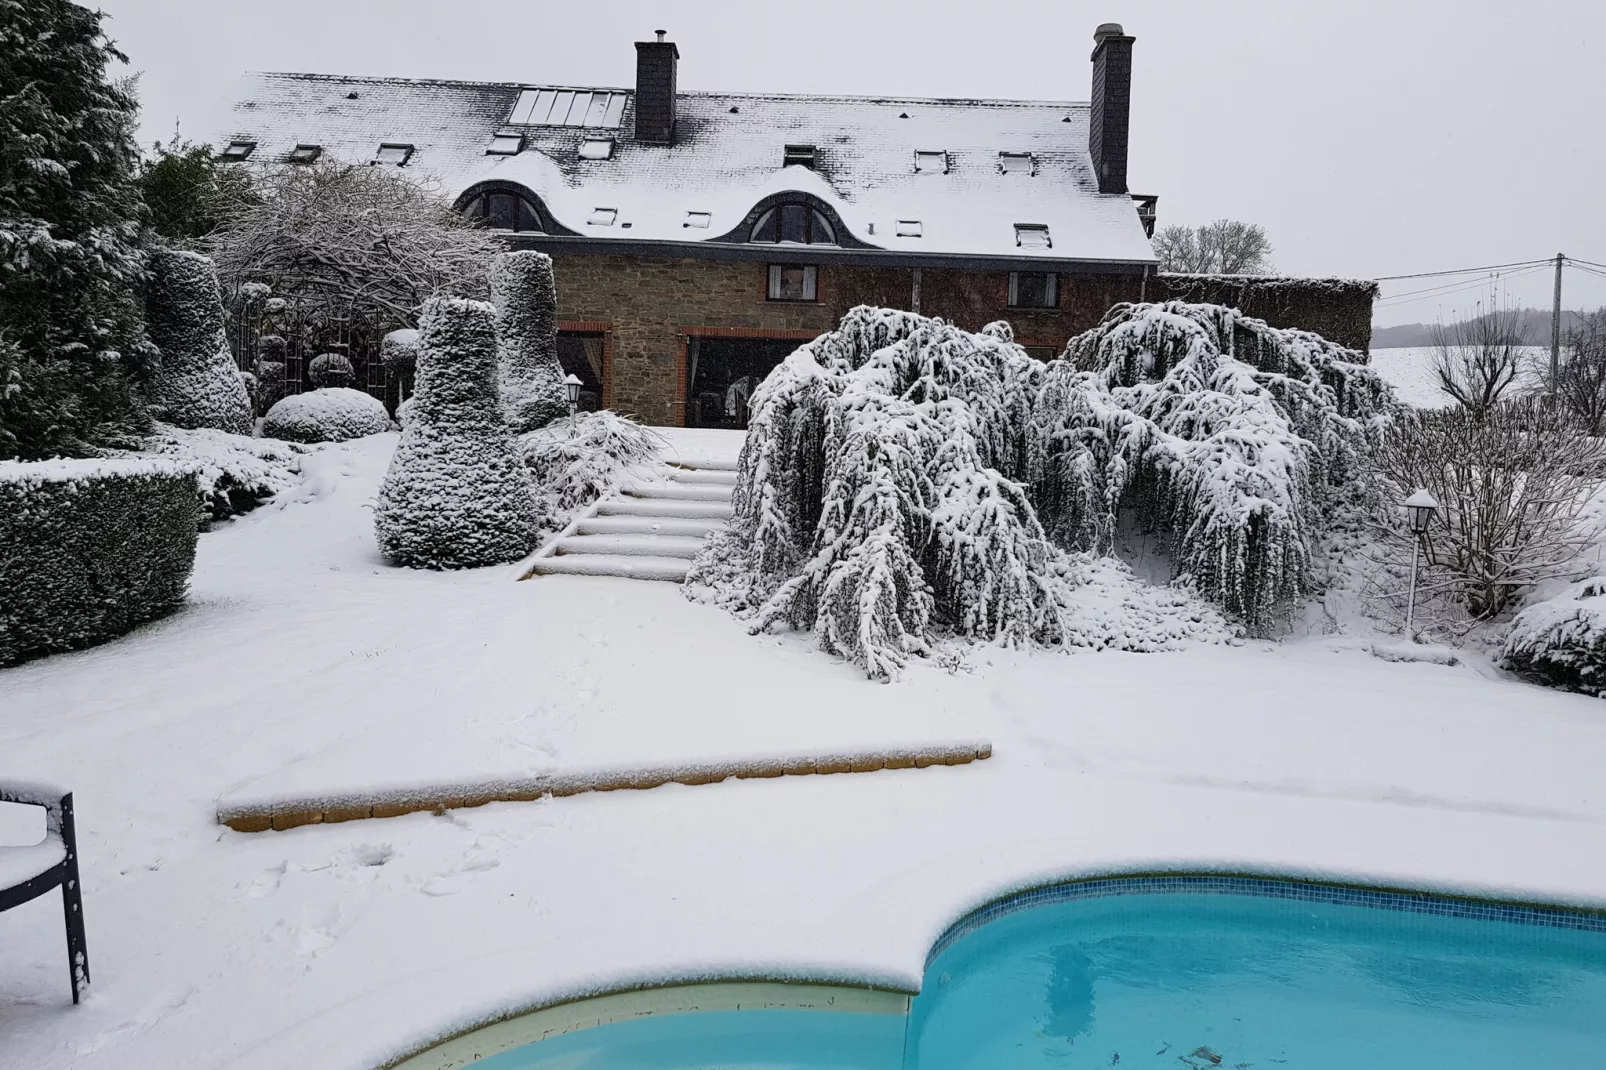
x: 728, y: 155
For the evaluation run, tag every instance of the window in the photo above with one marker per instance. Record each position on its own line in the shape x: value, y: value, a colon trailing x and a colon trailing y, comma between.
x: 801, y: 155
x: 909, y: 228
x: 505, y: 143
x: 596, y: 148
x: 800, y: 224
x: 1033, y: 289
x: 931, y: 163
x: 1023, y: 163
x: 505, y: 210
x: 793, y: 282
x: 393, y: 153
x: 602, y: 217
x: 568, y: 107
x: 305, y: 153
x: 1034, y: 235
x: 239, y: 150
x: 697, y: 220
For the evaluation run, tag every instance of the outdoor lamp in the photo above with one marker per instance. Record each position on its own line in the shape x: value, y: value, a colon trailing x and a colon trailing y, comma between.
x: 1422, y: 507
x: 571, y: 390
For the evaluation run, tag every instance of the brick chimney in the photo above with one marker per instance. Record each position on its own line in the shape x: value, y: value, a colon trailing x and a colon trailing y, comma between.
x: 655, y: 91
x: 1112, y: 106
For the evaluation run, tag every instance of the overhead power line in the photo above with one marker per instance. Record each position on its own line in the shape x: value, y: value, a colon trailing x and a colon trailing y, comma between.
x: 1445, y: 289
x: 1465, y: 271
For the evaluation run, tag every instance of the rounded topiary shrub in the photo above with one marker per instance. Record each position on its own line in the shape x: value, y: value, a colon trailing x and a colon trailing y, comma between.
x: 398, y: 351
x: 530, y: 375
x: 1562, y: 642
x: 269, y: 385
x: 335, y: 414
x: 330, y: 369
x: 197, y: 383
x: 91, y: 549
x: 456, y: 494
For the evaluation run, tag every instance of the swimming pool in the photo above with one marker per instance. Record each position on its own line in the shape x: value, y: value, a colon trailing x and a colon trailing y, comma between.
x: 1176, y: 972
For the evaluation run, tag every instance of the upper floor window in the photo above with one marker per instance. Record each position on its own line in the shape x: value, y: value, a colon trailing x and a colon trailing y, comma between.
x: 505, y: 210
x: 801, y: 224
x: 794, y: 282
x: 1033, y: 289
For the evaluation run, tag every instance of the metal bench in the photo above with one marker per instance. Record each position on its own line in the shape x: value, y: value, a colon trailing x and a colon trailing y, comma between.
x: 28, y: 872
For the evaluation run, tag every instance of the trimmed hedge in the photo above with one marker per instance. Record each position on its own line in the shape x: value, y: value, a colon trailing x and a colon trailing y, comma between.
x: 89, y: 549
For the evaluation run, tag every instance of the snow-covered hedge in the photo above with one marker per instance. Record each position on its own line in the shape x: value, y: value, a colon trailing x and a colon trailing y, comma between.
x: 1562, y: 642
x: 330, y: 370
x: 91, y: 548
x: 333, y: 414
x: 197, y: 383
x: 574, y: 462
x: 398, y: 351
x: 456, y: 494
x: 531, y: 377
x: 234, y: 473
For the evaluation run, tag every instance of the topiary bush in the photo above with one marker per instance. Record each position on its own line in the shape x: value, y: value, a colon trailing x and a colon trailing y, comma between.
x: 197, y: 383
x: 1562, y: 642
x: 531, y: 377
x: 573, y: 462
x: 269, y: 385
x: 334, y: 414
x: 330, y: 370
x: 456, y: 494
x: 92, y: 548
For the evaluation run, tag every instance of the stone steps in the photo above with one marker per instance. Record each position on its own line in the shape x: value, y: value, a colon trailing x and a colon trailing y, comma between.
x: 672, y: 569
x: 656, y: 507
x: 645, y: 525
x: 680, y: 492
x: 682, y: 546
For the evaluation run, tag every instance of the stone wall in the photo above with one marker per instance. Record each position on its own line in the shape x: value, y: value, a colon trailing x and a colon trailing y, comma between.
x: 1339, y: 310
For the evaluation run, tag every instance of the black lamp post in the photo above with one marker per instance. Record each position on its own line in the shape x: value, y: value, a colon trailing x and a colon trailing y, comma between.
x: 571, y: 390
x: 1421, y: 505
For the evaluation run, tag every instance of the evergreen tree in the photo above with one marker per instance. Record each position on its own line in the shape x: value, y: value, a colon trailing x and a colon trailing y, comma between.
x: 189, y: 191
x: 71, y: 338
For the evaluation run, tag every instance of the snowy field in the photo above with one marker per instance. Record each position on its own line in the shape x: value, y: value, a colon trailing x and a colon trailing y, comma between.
x: 1409, y: 370
x: 304, y: 660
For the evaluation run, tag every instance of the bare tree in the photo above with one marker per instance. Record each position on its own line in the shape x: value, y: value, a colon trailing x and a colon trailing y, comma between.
x: 1477, y: 361
x: 1224, y: 247
x: 1581, y: 379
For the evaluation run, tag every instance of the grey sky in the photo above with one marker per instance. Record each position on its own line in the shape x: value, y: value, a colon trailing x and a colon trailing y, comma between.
x: 1369, y: 137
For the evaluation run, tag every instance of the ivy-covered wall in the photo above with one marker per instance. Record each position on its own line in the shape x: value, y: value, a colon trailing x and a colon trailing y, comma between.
x: 1339, y: 310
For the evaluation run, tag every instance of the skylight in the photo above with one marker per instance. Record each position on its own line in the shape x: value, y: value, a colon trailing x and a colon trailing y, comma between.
x: 1017, y: 163
x: 568, y: 107
x: 909, y: 228
x: 931, y: 163
x: 505, y: 143
x: 305, y: 153
x: 801, y: 155
x: 602, y: 217
x: 390, y: 152
x: 596, y: 148
x: 1033, y: 235
x: 239, y: 150
x: 698, y: 220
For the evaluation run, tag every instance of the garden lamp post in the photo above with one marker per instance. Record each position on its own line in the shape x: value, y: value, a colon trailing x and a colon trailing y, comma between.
x: 1421, y: 507
x: 571, y: 390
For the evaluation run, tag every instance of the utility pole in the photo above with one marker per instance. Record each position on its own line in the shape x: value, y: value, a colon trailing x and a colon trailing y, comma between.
x: 1555, y: 329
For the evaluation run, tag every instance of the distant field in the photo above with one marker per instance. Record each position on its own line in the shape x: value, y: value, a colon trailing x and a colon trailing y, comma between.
x: 1409, y: 370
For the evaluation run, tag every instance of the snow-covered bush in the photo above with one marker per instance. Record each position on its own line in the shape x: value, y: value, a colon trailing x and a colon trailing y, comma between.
x: 92, y: 548
x: 269, y: 385
x: 330, y: 370
x: 234, y: 473
x: 456, y: 494
x: 334, y: 414
x: 574, y: 462
x: 531, y: 377
x: 1562, y: 642
x: 197, y: 383
x: 398, y: 351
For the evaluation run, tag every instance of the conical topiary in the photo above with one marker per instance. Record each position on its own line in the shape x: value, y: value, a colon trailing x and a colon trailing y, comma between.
x: 456, y: 494
x: 197, y: 384
x: 531, y: 376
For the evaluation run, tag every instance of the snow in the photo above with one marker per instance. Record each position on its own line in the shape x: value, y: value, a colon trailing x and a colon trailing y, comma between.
x: 18, y: 864
x: 342, y: 946
x: 79, y: 470
x: 1409, y: 370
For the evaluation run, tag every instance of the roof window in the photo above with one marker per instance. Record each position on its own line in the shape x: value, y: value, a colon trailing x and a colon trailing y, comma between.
x: 239, y: 150
x: 800, y: 155
x: 393, y: 152
x: 1033, y: 235
x: 505, y: 143
x: 909, y: 228
x: 1023, y: 163
x: 568, y: 107
x: 596, y: 148
x: 602, y: 217
x: 698, y: 220
x: 931, y: 163
x: 305, y: 153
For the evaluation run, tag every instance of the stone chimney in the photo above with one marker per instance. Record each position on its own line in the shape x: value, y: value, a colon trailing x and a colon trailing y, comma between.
x: 1112, y: 106
x: 655, y: 91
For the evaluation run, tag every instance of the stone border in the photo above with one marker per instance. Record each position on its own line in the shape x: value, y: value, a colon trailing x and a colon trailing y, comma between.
x: 289, y: 813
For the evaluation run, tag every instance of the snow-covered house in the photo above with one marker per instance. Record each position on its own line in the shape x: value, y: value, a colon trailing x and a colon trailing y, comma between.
x: 698, y: 236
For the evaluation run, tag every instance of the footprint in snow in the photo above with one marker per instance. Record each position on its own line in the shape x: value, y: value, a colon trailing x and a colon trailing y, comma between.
x: 267, y: 882
x: 459, y: 877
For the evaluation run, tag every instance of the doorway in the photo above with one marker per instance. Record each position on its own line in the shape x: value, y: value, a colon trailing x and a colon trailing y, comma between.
x: 722, y: 373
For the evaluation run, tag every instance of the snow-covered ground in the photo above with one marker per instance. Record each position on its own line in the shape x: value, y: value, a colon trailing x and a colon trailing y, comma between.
x: 1409, y: 370
x: 340, y: 946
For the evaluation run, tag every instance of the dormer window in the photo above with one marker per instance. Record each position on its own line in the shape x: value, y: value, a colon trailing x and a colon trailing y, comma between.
x: 799, y: 224
x: 505, y: 143
x: 393, y: 153
x: 798, y: 155
x: 596, y: 148
x: 505, y: 210
x: 931, y: 163
x: 305, y: 153
x: 239, y: 150
x: 1032, y: 235
x: 1017, y: 163
x: 602, y: 217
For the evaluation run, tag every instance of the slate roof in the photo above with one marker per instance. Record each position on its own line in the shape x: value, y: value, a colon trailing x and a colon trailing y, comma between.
x: 728, y: 156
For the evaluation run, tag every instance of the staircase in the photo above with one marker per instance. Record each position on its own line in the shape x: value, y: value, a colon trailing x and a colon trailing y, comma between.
x: 647, y: 529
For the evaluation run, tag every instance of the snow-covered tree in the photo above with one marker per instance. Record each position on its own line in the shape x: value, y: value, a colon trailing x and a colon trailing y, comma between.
x: 526, y: 302
x: 71, y: 339
x: 197, y: 383
x: 456, y: 494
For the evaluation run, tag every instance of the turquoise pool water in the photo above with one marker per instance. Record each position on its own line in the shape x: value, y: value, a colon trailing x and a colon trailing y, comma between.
x: 1181, y: 976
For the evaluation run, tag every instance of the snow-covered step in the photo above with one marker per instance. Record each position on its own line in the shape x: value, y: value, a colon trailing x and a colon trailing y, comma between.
x: 686, y: 492
x: 628, y: 566
x: 695, y: 475
x: 663, y: 507
x: 706, y: 464
x: 645, y: 525
x: 685, y: 546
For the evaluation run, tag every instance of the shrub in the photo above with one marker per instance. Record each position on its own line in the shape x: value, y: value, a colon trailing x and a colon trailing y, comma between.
x: 197, y: 384
x: 234, y: 473
x: 269, y: 385
x: 456, y: 494
x: 398, y: 352
x: 1562, y: 642
x: 334, y: 414
x: 92, y: 548
x: 330, y: 369
x: 574, y: 462
x: 530, y: 376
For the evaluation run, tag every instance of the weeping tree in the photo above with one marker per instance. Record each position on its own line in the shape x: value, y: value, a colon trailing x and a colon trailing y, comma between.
x: 902, y: 476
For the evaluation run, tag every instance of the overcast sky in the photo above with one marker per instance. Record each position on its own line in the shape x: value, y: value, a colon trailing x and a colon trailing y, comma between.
x: 1369, y: 137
